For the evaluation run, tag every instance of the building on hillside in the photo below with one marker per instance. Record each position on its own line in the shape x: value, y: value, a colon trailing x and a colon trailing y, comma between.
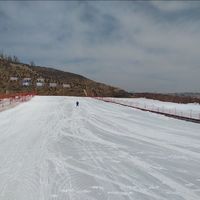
x: 13, y: 78
x: 66, y: 85
x: 53, y: 85
x: 26, y: 81
x: 40, y: 82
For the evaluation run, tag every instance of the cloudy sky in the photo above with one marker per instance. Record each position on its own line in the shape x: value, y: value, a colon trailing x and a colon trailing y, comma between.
x: 151, y: 46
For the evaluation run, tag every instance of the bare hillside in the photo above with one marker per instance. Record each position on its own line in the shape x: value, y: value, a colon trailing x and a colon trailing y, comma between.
x: 65, y: 83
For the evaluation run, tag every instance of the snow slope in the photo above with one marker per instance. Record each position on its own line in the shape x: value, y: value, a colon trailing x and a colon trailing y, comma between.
x: 51, y: 150
x: 191, y: 110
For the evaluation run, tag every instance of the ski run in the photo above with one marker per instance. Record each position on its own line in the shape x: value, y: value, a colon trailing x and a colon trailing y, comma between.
x: 52, y: 150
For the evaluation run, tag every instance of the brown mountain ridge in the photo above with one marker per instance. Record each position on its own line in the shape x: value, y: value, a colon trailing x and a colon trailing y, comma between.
x: 76, y: 85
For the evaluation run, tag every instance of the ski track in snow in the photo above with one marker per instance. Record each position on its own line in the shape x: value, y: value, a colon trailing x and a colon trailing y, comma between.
x: 52, y: 150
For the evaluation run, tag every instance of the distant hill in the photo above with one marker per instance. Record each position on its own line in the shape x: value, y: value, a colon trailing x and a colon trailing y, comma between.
x: 173, y: 97
x: 188, y: 94
x: 77, y: 85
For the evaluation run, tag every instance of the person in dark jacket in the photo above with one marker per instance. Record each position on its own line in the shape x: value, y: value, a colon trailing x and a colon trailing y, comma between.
x: 77, y: 104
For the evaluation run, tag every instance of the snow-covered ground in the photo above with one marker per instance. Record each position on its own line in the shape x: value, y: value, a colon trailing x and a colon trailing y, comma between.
x: 4, y: 102
x: 7, y: 103
x: 191, y: 110
x: 52, y: 150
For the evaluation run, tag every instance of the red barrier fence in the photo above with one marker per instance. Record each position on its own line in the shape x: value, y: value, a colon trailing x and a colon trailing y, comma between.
x: 16, y: 96
x: 9, y: 100
x: 175, y: 113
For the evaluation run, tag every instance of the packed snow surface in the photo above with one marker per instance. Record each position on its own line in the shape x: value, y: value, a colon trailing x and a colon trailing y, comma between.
x: 52, y: 150
x: 191, y: 110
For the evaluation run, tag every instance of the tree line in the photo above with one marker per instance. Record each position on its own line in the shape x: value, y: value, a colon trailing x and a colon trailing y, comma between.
x: 13, y: 59
x: 9, y: 58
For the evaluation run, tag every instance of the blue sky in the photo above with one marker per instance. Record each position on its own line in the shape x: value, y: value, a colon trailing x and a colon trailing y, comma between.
x: 150, y: 46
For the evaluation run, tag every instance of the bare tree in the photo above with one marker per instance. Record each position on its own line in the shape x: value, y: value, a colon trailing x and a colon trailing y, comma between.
x: 1, y: 55
x: 32, y: 64
x: 9, y: 58
x: 16, y: 59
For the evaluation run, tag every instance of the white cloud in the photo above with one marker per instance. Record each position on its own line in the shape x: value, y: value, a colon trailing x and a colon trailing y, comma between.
x: 120, y: 43
x: 172, y: 6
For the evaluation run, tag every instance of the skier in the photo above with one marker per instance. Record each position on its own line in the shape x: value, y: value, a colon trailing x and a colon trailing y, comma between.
x: 77, y: 104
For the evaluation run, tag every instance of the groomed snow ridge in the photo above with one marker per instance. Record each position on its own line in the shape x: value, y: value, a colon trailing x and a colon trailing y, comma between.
x: 52, y: 150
